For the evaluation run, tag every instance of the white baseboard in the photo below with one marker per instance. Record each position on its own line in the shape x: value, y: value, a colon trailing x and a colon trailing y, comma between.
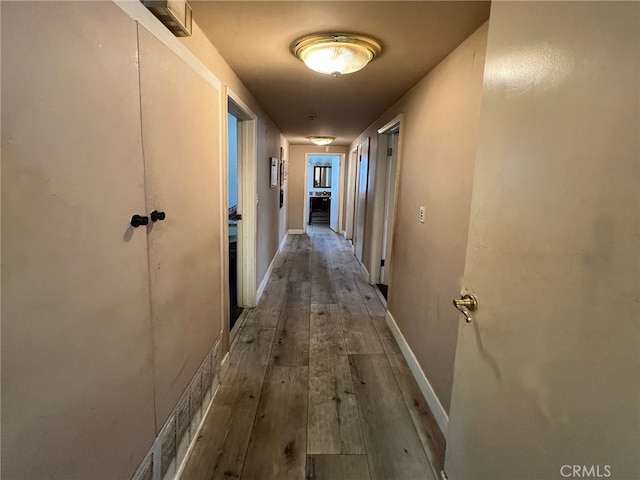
x: 296, y: 231
x: 365, y: 271
x: 283, y: 242
x: 265, y: 280
x: 224, y: 366
x: 423, y: 383
x: 154, y: 461
x: 192, y: 444
x: 267, y: 275
x: 381, y: 297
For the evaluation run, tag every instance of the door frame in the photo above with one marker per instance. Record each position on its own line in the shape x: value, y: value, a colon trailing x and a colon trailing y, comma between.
x: 342, y: 193
x: 379, y: 197
x: 247, y: 188
x: 305, y: 209
x: 357, y: 242
x: 390, y: 178
x: 351, y: 191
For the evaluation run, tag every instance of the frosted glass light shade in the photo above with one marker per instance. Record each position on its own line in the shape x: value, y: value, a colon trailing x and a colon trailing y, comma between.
x: 336, y: 53
x: 321, y: 140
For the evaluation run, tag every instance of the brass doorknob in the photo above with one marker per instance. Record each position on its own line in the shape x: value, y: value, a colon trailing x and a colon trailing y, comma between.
x: 466, y: 302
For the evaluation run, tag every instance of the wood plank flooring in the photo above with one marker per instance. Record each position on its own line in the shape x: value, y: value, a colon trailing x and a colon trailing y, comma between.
x: 334, y: 423
x: 317, y: 388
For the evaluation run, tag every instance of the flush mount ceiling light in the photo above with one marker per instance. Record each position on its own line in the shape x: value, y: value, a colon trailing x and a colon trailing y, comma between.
x: 336, y: 53
x: 322, y: 140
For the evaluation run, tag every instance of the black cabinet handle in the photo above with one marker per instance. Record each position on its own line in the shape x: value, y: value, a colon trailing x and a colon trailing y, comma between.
x: 156, y: 215
x: 138, y: 220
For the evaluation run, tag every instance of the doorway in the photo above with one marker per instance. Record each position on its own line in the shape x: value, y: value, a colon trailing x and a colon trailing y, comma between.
x: 362, y: 184
x: 235, y: 308
x: 351, y: 192
x: 388, y: 142
x: 322, y: 190
x: 241, y: 221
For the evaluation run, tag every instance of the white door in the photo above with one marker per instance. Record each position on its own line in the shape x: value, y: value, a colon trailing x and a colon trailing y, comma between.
x: 361, y: 199
x: 546, y: 374
x: 335, y: 189
x: 389, y: 206
x: 351, y: 193
x: 247, y: 200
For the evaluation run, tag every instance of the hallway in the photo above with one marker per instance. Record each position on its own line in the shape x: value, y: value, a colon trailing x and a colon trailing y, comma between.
x: 317, y: 387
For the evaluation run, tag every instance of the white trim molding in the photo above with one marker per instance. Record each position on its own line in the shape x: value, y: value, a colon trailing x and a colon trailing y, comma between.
x: 267, y: 275
x: 245, y: 109
x: 441, y: 416
x: 389, y: 125
x: 247, y: 198
x: 265, y: 279
x: 192, y: 444
x: 365, y: 272
x: 380, y: 199
x: 141, y: 14
x: 224, y: 365
x: 184, y: 439
x: 296, y: 231
x: 283, y: 242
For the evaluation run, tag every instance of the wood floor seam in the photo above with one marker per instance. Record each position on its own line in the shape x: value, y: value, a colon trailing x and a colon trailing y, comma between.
x: 317, y: 388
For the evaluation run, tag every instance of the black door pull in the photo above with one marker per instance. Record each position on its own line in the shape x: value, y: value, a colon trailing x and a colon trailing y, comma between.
x: 156, y: 215
x: 138, y: 220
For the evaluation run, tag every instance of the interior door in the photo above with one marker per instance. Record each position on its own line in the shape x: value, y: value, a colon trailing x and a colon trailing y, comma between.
x: 546, y: 374
x: 180, y: 115
x: 351, y: 193
x: 77, y: 362
x: 361, y: 199
x: 389, y: 206
x: 335, y: 189
x: 234, y: 217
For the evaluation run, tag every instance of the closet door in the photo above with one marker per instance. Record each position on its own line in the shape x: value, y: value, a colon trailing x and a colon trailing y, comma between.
x: 76, y: 352
x: 180, y: 127
x: 362, y: 183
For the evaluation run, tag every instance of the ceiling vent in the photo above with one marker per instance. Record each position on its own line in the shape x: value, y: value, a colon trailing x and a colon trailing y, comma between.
x: 174, y: 14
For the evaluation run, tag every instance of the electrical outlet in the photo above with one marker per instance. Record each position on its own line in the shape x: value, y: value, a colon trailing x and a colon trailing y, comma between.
x: 422, y: 213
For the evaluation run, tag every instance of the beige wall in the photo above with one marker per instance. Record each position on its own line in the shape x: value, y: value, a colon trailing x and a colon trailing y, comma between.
x: 297, y: 171
x: 270, y: 231
x: 438, y: 145
x: 81, y: 363
x: 271, y: 220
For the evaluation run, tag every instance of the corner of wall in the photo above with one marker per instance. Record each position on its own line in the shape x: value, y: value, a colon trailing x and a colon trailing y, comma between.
x: 440, y: 124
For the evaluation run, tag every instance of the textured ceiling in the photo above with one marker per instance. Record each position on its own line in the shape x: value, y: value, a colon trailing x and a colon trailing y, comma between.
x: 254, y: 39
